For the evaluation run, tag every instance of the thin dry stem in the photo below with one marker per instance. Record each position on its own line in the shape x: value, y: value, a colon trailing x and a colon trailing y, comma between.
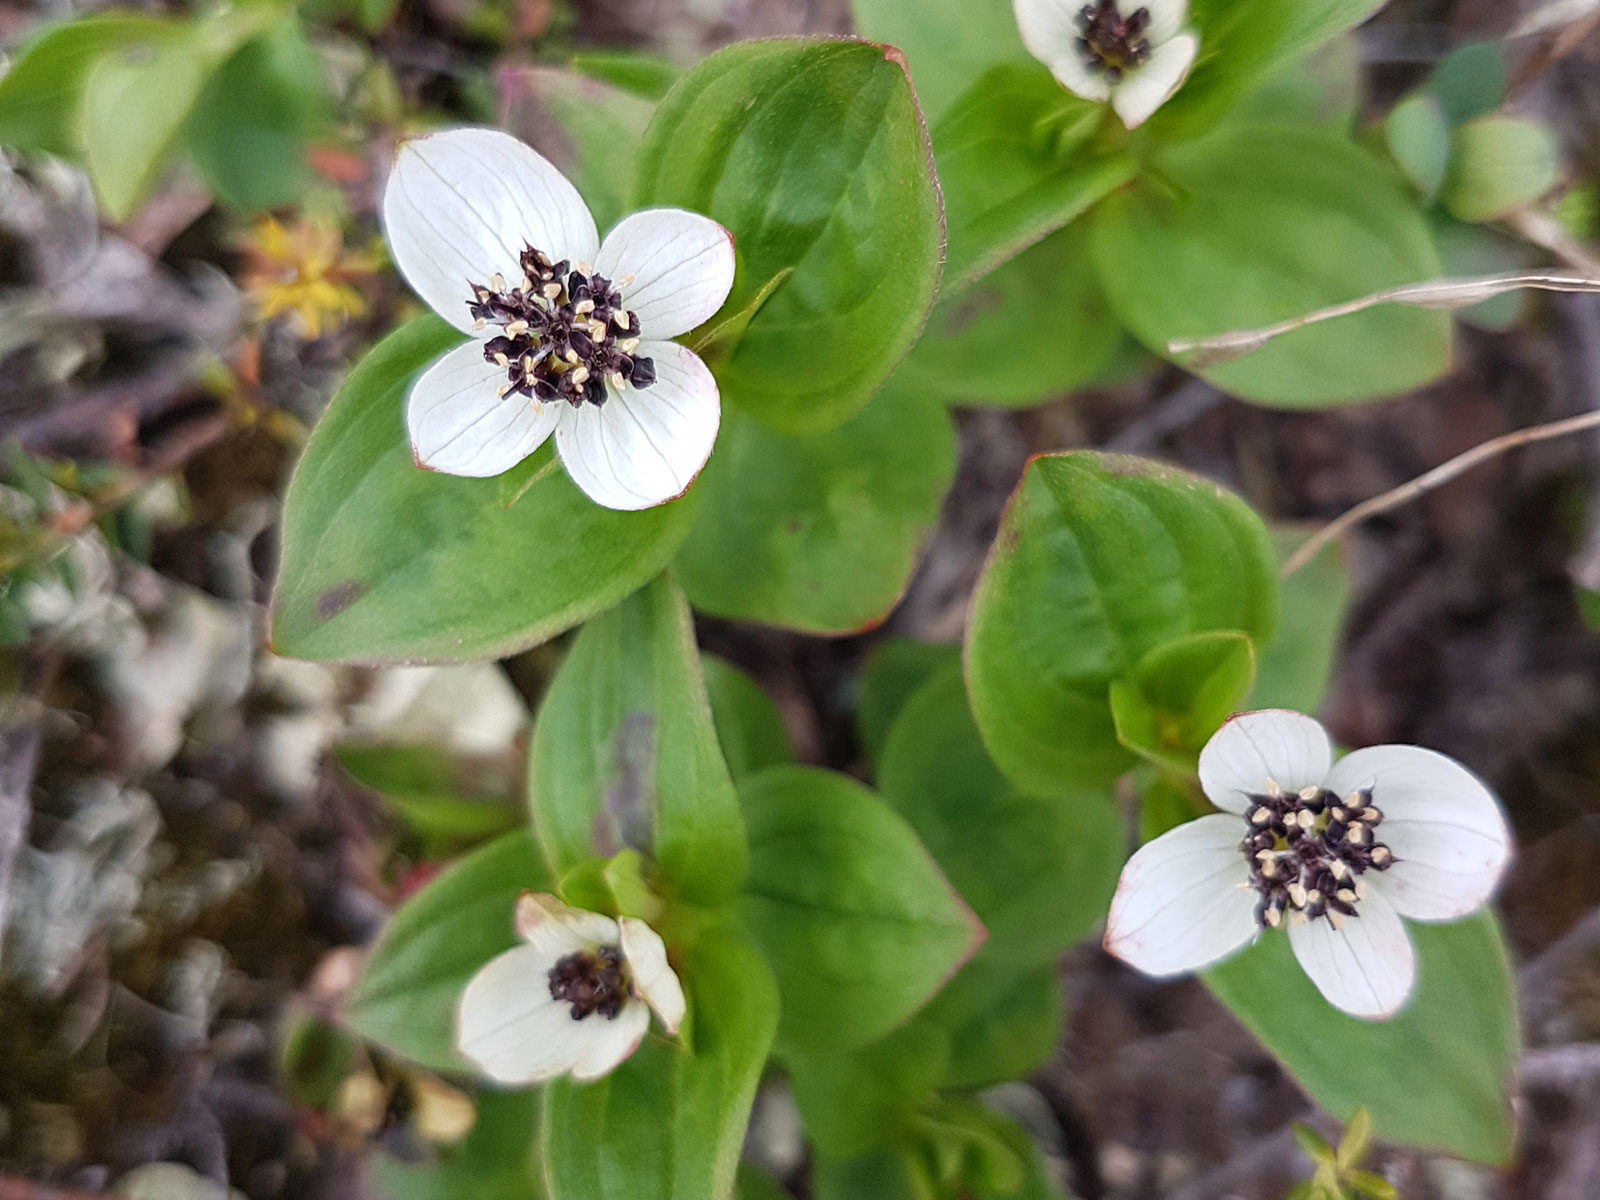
x: 1426, y: 482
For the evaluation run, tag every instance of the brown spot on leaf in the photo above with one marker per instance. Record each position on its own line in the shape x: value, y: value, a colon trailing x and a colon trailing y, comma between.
x: 338, y: 598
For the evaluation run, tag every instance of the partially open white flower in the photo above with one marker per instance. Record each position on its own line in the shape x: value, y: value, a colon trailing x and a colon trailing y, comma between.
x: 571, y: 336
x: 575, y: 1000
x: 1338, y: 852
x: 1134, y: 53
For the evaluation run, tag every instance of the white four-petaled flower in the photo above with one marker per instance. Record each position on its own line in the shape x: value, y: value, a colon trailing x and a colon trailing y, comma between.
x: 571, y: 335
x: 575, y: 1000
x: 1134, y: 53
x: 1338, y: 852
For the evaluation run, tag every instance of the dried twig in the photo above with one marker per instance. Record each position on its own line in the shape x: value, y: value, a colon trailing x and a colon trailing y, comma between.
x: 1434, y: 293
x: 1429, y: 480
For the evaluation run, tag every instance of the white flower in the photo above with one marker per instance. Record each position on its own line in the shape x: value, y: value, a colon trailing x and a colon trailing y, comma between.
x: 1337, y: 851
x: 1134, y: 53
x: 575, y: 1000
x: 572, y: 336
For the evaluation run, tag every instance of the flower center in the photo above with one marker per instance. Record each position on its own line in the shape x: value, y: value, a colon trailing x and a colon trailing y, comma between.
x: 1112, y: 43
x: 593, y: 982
x: 564, y: 333
x: 1308, y: 851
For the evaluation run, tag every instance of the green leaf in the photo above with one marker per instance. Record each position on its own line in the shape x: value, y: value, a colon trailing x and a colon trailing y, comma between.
x: 1295, y: 665
x: 589, y: 129
x: 668, y: 1124
x: 495, y: 1162
x: 887, y: 1172
x: 383, y: 561
x: 1018, y: 160
x: 1100, y: 558
x: 40, y: 94
x: 1031, y: 330
x: 859, y: 924
x: 248, y: 133
x: 645, y: 75
x: 946, y: 42
x: 436, y: 941
x: 853, y: 1100
x: 1258, y: 224
x: 1312, y: 23
x: 1180, y: 693
x: 819, y: 533
x: 897, y: 669
x: 1242, y: 44
x: 1325, y: 89
x: 1418, y: 136
x: 749, y: 727
x: 813, y: 154
x: 135, y: 100
x: 752, y: 1184
x: 1470, y: 82
x: 1167, y: 800
x: 1499, y: 165
x: 1038, y: 872
x: 625, y: 754
x: 138, y: 95
x: 1003, y: 1022
x: 1435, y: 1076
x: 431, y: 792
x: 1484, y: 250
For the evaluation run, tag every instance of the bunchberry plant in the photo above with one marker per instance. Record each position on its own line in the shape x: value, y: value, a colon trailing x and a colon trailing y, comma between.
x: 1133, y: 54
x: 1336, y: 852
x: 574, y: 1000
x: 571, y: 334
x: 735, y: 405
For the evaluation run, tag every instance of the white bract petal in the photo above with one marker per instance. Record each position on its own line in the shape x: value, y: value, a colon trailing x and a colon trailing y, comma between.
x: 1049, y: 30
x: 1183, y: 901
x: 653, y: 977
x: 1251, y: 749
x: 607, y: 1043
x: 1153, y: 82
x: 675, y: 268
x: 460, y: 206
x: 1364, y: 965
x: 1080, y: 79
x: 510, y: 1027
x: 644, y: 447
x: 574, y: 1000
x: 460, y: 425
x: 559, y: 929
x: 1442, y: 824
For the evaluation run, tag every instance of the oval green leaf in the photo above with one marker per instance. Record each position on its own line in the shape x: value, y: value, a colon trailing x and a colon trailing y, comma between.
x: 1498, y: 165
x: 814, y: 155
x: 859, y: 924
x: 1018, y: 160
x: 1033, y: 329
x: 1038, y: 872
x: 1101, y: 558
x: 669, y: 1123
x: 1259, y: 224
x: 383, y: 561
x: 749, y: 727
x: 1435, y: 1076
x: 625, y: 754
x: 434, y: 943
x: 819, y: 533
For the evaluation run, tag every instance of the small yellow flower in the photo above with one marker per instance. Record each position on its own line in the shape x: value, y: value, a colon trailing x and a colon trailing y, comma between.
x: 303, y: 269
